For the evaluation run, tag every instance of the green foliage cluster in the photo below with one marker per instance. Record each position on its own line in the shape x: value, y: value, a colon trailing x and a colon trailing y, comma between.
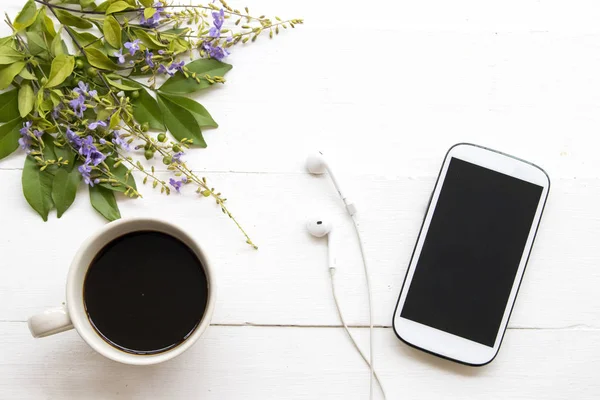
x: 75, y: 98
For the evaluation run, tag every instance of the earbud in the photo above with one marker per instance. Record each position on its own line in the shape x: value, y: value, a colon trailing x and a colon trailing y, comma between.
x: 322, y: 228
x: 319, y: 227
x: 316, y: 164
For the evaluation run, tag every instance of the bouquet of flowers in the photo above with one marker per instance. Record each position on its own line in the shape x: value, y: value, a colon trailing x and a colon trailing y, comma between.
x: 81, y: 116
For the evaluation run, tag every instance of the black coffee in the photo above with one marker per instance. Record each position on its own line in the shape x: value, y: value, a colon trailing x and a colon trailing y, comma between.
x: 145, y: 292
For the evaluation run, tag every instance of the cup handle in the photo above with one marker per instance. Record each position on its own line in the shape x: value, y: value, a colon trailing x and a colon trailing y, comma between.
x: 54, y: 320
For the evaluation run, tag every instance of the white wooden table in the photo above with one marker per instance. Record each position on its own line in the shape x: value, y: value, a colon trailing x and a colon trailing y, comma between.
x: 385, y: 88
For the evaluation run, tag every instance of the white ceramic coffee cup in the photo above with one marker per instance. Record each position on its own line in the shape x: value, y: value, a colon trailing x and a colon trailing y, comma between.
x: 73, y: 314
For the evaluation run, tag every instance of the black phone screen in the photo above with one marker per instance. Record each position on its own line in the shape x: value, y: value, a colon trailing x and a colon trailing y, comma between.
x: 470, y: 256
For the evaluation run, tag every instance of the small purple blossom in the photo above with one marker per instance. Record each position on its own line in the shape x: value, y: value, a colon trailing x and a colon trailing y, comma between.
x: 92, y: 93
x: 132, y: 46
x: 119, y: 141
x: 218, y: 19
x: 161, y: 52
x: 86, y: 170
x: 37, y: 133
x: 120, y: 56
x: 73, y: 138
x: 95, y: 124
x: 148, y: 57
x: 96, y: 157
x: 163, y: 70
x: 56, y: 111
x: 177, y: 184
x: 25, y: 128
x: 154, y: 19
x: 78, y: 105
x: 216, y: 52
x: 82, y: 88
x: 176, y: 157
x: 176, y: 66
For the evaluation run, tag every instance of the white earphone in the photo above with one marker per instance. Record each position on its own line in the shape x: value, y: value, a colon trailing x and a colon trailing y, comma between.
x: 316, y: 164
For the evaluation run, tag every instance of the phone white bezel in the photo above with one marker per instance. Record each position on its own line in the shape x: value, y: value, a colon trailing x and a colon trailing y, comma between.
x: 446, y: 344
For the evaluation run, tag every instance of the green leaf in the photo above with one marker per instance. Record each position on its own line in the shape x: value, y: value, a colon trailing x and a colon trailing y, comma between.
x: 117, y: 6
x: 64, y: 189
x: 86, y: 39
x: 48, y: 150
x: 179, y: 84
x: 148, y: 40
x: 25, y: 74
x: 58, y: 46
x: 149, y: 12
x: 71, y: 20
x: 122, y: 174
x: 86, y: 3
x: 48, y: 23
x: 26, y: 17
x: 9, y: 108
x: 9, y: 55
x: 145, y: 109
x: 37, y: 188
x: 181, y: 123
x: 9, y: 137
x: 115, y: 119
x: 202, y: 116
x: 26, y: 99
x: 147, y: 3
x: 36, y: 43
x: 122, y: 86
x: 103, y: 200
x: 112, y: 31
x: 62, y: 68
x: 102, y: 7
x: 8, y: 73
x: 100, y: 60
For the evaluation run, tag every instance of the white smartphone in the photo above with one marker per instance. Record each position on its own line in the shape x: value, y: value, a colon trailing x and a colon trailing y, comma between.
x: 470, y: 255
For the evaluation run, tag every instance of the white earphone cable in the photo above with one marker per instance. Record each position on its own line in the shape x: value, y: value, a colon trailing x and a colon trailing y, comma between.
x: 364, y: 258
x: 354, y: 342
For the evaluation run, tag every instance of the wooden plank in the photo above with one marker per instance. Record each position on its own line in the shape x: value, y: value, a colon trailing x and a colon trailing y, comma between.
x: 300, y: 363
x: 286, y: 281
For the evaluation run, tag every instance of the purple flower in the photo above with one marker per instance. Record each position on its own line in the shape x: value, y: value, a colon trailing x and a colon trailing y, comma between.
x: 92, y: 93
x: 177, y: 157
x: 82, y: 88
x: 78, y: 105
x: 96, y: 157
x: 161, y: 52
x: 177, y: 184
x: 163, y: 70
x: 216, y: 52
x: 176, y: 66
x: 148, y: 57
x: 37, y: 133
x: 132, y: 46
x: 73, y: 138
x: 120, y: 56
x: 85, y: 170
x: 218, y: 19
x: 25, y: 128
x: 119, y: 141
x: 154, y: 19
x: 56, y: 110
x: 95, y: 124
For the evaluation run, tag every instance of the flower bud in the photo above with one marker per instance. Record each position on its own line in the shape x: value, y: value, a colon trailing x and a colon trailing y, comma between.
x: 176, y: 148
x: 167, y: 160
x: 161, y: 137
x: 79, y: 64
x: 149, y: 154
x: 135, y: 94
x: 145, y: 126
x: 92, y: 72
